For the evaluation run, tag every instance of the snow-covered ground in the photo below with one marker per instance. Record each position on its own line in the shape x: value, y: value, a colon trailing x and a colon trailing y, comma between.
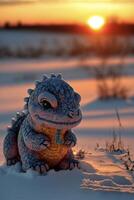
x: 26, y: 44
x: 102, y: 175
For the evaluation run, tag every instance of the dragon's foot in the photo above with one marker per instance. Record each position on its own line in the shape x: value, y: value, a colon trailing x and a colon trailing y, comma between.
x: 74, y: 163
x: 12, y: 161
x: 40, y: 166
x: 68, y: 164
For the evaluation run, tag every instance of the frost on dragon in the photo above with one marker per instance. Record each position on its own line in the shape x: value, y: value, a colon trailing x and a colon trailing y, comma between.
x: 40, y: 137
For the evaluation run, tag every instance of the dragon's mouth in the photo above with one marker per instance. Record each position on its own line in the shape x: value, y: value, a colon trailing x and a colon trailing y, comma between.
x: 58, y: 123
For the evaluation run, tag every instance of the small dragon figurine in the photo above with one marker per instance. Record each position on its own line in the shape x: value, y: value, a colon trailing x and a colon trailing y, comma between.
x: 40, y: 137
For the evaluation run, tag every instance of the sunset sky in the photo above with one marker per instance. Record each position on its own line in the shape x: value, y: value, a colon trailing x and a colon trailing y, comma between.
x: 64, y: 11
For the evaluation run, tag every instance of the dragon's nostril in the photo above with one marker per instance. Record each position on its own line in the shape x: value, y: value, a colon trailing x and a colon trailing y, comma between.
x: 71, y: 114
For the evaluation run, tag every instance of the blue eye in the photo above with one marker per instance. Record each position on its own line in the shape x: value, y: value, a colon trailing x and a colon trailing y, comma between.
x: 46, y: 105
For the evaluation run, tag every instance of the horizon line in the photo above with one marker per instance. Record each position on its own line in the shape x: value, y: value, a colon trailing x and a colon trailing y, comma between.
x: 20, y: 2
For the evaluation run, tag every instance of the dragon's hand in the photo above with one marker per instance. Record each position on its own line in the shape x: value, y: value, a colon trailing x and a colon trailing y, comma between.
x: 35, y: 141
x: 70, y: 139
x: 40, y: 142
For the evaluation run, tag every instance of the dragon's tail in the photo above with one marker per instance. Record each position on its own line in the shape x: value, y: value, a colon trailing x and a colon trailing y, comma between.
x: 10, y: 148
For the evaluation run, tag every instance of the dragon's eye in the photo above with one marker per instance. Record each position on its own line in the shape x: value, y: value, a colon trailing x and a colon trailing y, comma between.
x: 47, y: 100
x: 46, y: 104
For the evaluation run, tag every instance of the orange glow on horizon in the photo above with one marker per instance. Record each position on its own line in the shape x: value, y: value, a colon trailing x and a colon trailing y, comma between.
x: 64, y: 12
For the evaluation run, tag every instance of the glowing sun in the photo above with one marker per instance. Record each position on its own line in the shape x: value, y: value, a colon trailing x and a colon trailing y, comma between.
x: 96, y: 22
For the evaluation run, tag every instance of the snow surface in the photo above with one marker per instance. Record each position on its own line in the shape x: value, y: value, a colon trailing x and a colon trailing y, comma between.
x: 102, y: 176
x: 99, y: 179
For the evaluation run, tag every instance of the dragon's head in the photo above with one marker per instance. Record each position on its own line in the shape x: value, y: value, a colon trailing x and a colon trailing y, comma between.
x: 54, y: 103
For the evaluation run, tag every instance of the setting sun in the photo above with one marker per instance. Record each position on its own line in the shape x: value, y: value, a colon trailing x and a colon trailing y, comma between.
x: 96, y: 22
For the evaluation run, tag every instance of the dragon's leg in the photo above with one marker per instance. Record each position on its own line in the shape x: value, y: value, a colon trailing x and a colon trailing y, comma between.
x: 10, y: 149
x: 30, y: 160
x: 68, y: 162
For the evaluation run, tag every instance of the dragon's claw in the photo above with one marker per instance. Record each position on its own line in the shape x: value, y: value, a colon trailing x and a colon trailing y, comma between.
x: 74, y: 164
x: 41, y: 142
x: 12, y: 161
x: 69, y: 143
x: 45, y: 144
x: 70, y: 139
x: 40, y: 167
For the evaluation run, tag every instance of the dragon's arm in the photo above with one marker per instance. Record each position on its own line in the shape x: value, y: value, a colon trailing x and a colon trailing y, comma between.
x: 33, y: 140
x: 70, y: 139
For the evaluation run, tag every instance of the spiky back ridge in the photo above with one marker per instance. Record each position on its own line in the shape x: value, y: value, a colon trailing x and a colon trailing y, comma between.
x: 20, y: 116
x: 37, y: 83
x: 16, y: 122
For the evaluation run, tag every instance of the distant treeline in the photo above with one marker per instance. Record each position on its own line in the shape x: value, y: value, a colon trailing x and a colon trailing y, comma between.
x: 112, y: 28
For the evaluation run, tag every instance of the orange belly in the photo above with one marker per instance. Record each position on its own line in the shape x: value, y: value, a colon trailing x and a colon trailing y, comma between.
x: 55, y: 152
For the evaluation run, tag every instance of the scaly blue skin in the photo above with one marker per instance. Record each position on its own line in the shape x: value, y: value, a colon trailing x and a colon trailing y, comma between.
x: 52, y: 104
